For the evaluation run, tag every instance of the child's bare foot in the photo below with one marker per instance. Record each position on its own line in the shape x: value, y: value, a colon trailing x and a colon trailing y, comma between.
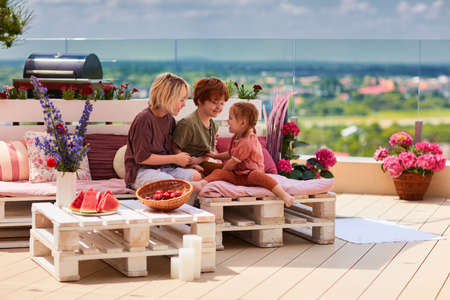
x: 198, y: 185
x: 289, y: 200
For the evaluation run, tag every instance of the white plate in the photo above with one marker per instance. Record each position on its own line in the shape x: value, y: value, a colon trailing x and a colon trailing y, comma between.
x: 91, y: 215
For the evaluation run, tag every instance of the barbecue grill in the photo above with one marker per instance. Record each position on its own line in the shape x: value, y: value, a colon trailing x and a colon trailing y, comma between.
x: 56, y: 71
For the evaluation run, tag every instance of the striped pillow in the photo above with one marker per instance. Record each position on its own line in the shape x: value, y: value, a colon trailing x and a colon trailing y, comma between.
x: 13, y: 161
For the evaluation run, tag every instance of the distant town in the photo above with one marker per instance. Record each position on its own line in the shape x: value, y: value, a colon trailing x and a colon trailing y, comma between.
x: 350, y: 108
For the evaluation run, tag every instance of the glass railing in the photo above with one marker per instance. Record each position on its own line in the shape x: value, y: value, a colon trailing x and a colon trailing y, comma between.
x: 350, y: 95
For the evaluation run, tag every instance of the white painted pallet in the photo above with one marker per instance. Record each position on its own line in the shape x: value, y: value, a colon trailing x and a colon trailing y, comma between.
x: 261, y: 221
x: 60, y: 239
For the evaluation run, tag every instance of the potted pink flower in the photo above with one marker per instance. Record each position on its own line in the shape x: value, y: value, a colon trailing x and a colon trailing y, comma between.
x: 411, y: 166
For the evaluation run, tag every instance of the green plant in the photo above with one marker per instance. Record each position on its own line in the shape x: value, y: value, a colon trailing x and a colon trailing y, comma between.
x: 68, y: 92
x: 14, y: 17
x: 246, y: 93
x: 230, y: 87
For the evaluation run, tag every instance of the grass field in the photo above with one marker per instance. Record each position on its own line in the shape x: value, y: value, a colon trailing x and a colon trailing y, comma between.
x: 384, y: 118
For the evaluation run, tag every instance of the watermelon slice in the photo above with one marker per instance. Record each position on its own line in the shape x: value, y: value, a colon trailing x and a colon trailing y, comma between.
x: 89, y: 205
x: 101, y: 201
x: 109, y: 203
x: 76, y: 203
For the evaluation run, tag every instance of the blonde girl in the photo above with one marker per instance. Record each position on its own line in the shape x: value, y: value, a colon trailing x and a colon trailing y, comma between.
x: 149, y: 154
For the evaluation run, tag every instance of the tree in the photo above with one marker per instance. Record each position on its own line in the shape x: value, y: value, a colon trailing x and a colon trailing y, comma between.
x: 14, y: 17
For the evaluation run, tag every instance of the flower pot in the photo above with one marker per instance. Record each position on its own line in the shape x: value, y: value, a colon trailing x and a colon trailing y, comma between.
x: 412, y: 186
x: 65, y: 188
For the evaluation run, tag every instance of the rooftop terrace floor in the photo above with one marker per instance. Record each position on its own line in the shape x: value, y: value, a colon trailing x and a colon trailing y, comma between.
x: 298, y: 270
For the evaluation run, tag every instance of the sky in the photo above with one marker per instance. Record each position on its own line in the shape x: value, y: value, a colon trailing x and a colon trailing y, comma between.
x: 282, y: 19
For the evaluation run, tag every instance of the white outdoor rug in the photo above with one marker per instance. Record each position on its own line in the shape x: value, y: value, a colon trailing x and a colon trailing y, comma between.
x: 364, y: 231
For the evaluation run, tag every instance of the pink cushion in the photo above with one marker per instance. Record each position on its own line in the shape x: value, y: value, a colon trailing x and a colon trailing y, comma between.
x: 13, y: 161
x: 26, y: 188
x: 217, y: 189
x: 223, y: 143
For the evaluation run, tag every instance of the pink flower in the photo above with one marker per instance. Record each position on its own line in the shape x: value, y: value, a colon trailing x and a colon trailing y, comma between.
x: 440, y: 161
x: 381, y: 153
x: 423, y: 147
x: 291, y: 128
x: 426, y: 161
x: 393, y: 165
x: 284, y: 166
x: 326, y: 157
x: 435, y: 149
x: 400, y: 138
x: 408, y: 159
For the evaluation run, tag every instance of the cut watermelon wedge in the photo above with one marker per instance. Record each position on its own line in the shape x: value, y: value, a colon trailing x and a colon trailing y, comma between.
x: 76, y: 203
x: 89, y: 205
x: 108, y: 203
x: 99, y: 200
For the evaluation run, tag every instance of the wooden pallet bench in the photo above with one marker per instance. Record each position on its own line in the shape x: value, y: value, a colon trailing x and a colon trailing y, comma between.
x: 15, y: 218
x: 60, y: 239
x: 261, y: 221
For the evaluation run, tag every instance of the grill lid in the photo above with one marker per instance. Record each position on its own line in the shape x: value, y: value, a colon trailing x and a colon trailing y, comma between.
x: 63, y: 66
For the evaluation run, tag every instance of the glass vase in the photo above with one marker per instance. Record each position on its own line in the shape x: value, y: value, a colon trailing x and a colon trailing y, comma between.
x: 65, y: 188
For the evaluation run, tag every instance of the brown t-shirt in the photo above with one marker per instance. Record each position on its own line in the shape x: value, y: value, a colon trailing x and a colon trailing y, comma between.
x: 148, y: 134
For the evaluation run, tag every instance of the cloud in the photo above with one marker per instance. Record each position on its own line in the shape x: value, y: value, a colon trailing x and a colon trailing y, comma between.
x: 352, y: 6
x: 428, y: 11
x: 293, y: 9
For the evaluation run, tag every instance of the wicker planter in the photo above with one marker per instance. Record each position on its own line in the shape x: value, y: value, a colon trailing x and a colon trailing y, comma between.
x: 412, y: 186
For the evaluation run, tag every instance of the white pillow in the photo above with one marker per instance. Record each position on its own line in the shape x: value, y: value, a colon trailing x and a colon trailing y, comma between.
x: 119, y: 162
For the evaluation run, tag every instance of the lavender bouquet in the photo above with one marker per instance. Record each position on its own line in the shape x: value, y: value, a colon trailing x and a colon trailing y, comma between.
x: 65, y: 151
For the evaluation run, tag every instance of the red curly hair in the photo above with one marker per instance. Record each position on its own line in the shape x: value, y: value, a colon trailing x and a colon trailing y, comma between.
x: 207, y: 88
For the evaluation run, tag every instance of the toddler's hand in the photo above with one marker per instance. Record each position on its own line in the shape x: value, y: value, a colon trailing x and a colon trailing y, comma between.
x: 212, y: 154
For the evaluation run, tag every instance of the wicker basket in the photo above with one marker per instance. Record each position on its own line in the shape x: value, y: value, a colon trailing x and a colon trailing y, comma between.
x: 412, y: 186
x: 166, y: 184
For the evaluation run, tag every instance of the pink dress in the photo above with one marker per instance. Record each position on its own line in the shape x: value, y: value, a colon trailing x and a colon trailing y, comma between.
x: 247, y: 151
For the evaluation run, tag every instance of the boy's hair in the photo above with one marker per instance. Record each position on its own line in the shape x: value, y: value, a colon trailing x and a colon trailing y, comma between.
x: 207, y: 88
x: 166, y: 90
x: 245, y: 111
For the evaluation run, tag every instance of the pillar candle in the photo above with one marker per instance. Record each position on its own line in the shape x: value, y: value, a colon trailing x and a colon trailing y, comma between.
x: 186, y: 264
x: 174, y: 263
x: 194, y: 241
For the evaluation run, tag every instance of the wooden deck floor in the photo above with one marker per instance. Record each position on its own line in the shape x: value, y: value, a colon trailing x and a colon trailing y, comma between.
x: 299, y: 270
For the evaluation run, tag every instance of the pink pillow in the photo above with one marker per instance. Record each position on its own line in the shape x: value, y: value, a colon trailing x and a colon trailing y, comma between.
x: 13, y: 161
x: 39, y: 172
x: 223, y: 143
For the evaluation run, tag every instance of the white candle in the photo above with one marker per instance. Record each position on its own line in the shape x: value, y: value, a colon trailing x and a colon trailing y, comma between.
x: 186, y: 264
x: 174, y: 263
x: 194, y: 241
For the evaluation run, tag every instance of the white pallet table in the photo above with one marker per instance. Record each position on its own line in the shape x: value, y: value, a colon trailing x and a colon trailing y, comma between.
x: 60, y: 239
x: 261, y: 221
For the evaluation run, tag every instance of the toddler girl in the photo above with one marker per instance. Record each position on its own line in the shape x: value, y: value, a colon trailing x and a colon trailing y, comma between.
x: 245, y: 165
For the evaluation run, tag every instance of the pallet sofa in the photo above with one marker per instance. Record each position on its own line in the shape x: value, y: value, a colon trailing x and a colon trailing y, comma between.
x: 109, y: 124
x: 257, y: 219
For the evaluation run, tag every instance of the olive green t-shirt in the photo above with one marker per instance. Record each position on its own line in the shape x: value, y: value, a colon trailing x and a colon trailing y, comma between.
x: 192, y: 136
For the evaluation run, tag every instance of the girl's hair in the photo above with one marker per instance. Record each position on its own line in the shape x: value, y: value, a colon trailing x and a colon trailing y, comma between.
x: 245, y: 111
x: 207, y: 88
x: 166, y: 90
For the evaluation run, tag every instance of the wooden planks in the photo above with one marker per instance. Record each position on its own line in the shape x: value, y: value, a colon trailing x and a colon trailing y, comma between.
x: 246, y: 272
x: 316, y: 212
